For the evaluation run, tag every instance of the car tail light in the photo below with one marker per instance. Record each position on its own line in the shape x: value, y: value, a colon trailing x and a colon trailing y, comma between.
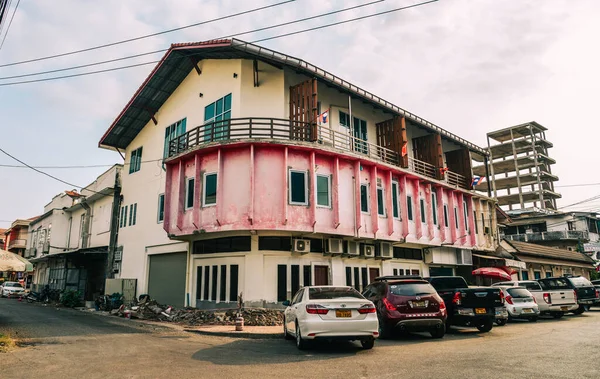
x: 547, y: 298
x: 367, y: 308
x: 502, y: 296
x: 442, y: 305
x: 509, y: 299
x: 456, y: 298
x: 575, y: 295
x: 316, y: 309
x: 597, y: 294
x: 389, y: 306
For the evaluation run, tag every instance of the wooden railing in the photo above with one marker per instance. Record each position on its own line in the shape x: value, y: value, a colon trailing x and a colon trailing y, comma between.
x: 284, y: 129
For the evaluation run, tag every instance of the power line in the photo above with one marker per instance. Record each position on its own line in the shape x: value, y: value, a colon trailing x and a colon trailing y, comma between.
x: 260, y: 40
x: 223, y: 37
x: 574, y: 185
x: 77, y: 166
x: 9, y: 24
x: 581, y: 202
x: 146, y: 35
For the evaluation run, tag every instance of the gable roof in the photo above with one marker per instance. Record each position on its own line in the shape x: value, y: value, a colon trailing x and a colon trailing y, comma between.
x: 181, y: 58
x: 532, y: 249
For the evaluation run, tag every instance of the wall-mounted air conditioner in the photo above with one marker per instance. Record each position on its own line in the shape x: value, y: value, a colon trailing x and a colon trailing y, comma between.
x: 334, y: 246
x: 427, y: 256
x: 386, y: 251
x: 368, y: 251
x: 301, y: 246
x: 353, y: 249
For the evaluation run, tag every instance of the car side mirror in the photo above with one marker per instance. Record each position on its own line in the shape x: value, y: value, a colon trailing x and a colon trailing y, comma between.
x: 286, y: 303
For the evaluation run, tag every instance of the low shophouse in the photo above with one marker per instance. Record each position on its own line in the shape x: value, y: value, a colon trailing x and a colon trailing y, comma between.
x: 15, y: 240
x: 263, y: 173
x: 71, y: 242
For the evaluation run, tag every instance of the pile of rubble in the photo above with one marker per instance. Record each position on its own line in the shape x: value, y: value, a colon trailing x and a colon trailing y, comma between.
x: 148, y: 309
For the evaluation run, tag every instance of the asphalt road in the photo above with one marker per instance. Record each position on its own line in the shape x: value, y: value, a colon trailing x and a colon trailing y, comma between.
x: 71, y: 344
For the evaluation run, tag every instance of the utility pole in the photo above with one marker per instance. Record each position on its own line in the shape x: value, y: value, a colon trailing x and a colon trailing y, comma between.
x: 114, y: 226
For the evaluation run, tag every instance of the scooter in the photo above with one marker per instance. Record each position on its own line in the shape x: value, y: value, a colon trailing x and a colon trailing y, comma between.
x: 37, y: 296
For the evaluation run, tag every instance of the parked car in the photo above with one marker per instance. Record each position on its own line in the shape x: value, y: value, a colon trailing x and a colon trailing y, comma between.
x: 586, y: 293
x: 555, y: 301
x: 468, y: 306
x: 597, y: 302
x: 501, y: 316
x: 407, y: 304
x: 596, y: 282
x: 520, y: 303
x: 330, y: 313
x: 12, y: 289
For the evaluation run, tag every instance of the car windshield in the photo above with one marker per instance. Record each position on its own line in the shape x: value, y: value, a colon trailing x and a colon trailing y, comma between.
x: 448, y: 283
x: 581, y: 282
x: 328, y: 293
x: 17, y: 285
x: 518, y: 292
x: 530, y: 285
x: 411, y: 289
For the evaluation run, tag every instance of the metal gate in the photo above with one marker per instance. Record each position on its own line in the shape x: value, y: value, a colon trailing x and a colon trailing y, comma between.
x: 166, y: 278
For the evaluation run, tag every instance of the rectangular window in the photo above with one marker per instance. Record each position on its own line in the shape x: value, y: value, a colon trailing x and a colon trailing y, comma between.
x: 415, y: 272
x: 223, y: 289
x: 548, y: 274
x: 570, y: 225
x: 380, y: 202
x: 209, y: 194
x: 365, y: 277
x: 475, y: 221
x: 215, y: 112
x: 130, y: 213
x: 482, y: 221
x: 199, y: 282
x: 456, y: 217
x: 356, y: 279
x: 206, y: 282
x: 135, y: 161
x: 121, y: 217
x: 446, y: 220
x: 364, y: 198
x: 189, y: 192
x: 434, y: 208
x: 275, y: 243
x: 161, y: 207
x: 422, y: 204
x: 281, y: 283
x: 134, y: 214
x: 323, y: 190
x: 344, y: 119
x: 233, y: 282
x: 349, y: 276
x: 409, y: 207
x: 171, y: 133
x: 213, y: 292
x: 125, y: 216
x: 395, y: 210
x: 307, y: 276
x: 295, y: 278
x: 537, y: 275
x: 466, y: 215
x: 298, y: 188
x: 524, y: 275
x: 221, y: 245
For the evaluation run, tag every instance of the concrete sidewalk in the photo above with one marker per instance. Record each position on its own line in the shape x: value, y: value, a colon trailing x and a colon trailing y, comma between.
x: 258, y: 332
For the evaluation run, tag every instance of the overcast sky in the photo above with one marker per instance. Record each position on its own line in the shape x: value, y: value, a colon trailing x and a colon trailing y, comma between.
x: 468, y: 66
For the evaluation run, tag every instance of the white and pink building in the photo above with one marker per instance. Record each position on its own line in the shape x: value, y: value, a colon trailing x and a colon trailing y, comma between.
x: 278, y: 174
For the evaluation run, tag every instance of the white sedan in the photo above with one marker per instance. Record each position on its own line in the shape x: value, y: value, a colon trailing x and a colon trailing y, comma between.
x: 10, y: 289
x: 330, y: 313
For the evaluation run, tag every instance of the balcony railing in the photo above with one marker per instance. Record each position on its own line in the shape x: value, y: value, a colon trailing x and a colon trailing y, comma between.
x: 17, y: 244
x: 550, y: 236
x: 284, y: 129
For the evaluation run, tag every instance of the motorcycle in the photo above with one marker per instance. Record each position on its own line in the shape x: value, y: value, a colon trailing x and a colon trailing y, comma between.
x: 38, y: 296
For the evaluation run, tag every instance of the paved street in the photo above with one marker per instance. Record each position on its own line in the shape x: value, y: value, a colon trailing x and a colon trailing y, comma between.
x: 71, y: 344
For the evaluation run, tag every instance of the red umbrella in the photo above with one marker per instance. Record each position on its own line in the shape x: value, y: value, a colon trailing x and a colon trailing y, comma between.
x: 492, y: 272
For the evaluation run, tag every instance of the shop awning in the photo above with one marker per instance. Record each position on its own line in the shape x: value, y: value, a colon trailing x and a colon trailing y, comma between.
x: 553, y: 262
x: 492, y: 272
x: 13, y: 262
x: 487, y: 257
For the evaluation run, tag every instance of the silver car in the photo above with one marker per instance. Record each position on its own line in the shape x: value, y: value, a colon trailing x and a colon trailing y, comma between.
x: 520, y: 303
x: 12, y: 289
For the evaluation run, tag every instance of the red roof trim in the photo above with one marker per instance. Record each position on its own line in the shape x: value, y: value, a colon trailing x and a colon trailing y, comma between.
x: 175, y: 46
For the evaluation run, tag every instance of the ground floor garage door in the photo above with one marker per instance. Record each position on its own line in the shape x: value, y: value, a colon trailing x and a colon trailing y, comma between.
x: 166, y: 279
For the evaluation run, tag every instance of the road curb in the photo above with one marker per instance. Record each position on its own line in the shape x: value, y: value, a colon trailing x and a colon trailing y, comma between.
x: 234, y: 334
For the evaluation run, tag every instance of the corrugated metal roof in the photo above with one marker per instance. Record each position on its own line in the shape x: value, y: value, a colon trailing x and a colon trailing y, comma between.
x: 548, y: 252
x: 181, y: 58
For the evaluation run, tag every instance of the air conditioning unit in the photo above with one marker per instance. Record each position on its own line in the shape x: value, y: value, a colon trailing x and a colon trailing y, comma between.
x: 301, y: 246
x: 335, y: 246
x: 119, y: 253
x: 353, y: 249
x: 386, y: 251
x: 427, y: 256
x: 464, y: 257
x: 368, y: 251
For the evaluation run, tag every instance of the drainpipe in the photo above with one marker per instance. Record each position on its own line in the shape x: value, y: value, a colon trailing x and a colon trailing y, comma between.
x: 354, y: 205
x: 114, y: 227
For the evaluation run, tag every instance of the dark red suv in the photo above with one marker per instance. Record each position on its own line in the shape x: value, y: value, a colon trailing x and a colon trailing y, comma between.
x: 407, y: 305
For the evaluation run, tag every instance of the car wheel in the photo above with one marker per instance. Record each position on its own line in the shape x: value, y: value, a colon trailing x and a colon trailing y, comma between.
x: 579, y: 310
x: 587, y: 308
x: 501, y: 321
x: 286, y: 335
x: 485, y: 325
x: 301, y: 343
x: 558, y: 315
x: 533, y: 319
x: 438, y: 332
x: 368, y: 343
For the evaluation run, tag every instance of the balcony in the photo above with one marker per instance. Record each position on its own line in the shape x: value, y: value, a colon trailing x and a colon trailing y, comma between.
x: 288, y: 130
x: 574, y: 235
x: 17, y: 244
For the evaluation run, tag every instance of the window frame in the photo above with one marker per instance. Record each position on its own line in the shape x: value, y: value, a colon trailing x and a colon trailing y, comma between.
x: 422, y: 210
x: 396, y: 202
x: 434, y: 207
x: 328, y: 190
x: 135, y: 160
x: 158, y: 211
x: 346, y: 118
x: 456, y: 220
x: 466, y: 213
x: 368, y: 200
x: 409, y: 208
x: 290, y: 201
x: 383, y: 209
x: 446, y: 218
x: 224, y: 115
x: 171, y: 132
x: 206, y: 174
x: 189, y: 196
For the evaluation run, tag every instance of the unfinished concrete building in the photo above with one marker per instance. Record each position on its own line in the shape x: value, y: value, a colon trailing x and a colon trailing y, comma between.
x: 520, y: 168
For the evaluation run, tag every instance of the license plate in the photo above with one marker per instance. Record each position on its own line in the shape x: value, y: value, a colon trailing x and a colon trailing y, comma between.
x: 480, y: 311
x: 418, y: 304
x: 527, y: 310
x: 564, y: 308
x: 343, y: 313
